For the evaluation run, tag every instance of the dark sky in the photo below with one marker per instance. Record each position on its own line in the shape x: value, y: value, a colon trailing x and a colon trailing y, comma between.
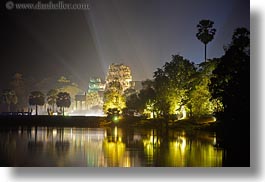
x: 142, y: 34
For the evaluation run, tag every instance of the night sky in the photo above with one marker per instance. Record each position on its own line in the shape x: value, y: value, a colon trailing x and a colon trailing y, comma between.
x: 142, y: 34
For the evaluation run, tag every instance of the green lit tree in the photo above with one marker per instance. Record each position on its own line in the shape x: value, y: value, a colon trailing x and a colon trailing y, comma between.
x: 205, y: 33
x: 36, y: 98
x: 172, y: 84
x: 113, y: 99
x: 199, y: 99
x: 63, y: 100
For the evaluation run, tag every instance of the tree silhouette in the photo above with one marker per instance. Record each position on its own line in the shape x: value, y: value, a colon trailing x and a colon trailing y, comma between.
x: 18, y: 85
x: 51, y: 97
x: 63, y: 100
x: 36, y: 98
x: 9, y: 97
x: 231, y: 84
x: 205, y: 33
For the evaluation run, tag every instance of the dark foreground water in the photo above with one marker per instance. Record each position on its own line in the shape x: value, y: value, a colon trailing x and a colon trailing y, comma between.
x: 108, y: 147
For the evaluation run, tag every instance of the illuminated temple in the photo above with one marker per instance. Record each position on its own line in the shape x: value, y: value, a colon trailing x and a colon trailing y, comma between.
x: 118, y: 74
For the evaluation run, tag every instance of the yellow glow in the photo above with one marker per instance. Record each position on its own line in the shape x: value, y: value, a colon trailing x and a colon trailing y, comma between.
x: 54, y: 132
x: 114, y: 152
x: 115, y: 119
x: 183, y: 110
x: 115, y: 132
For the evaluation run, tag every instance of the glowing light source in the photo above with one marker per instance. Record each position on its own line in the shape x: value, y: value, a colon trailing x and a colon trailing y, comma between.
x: 115, y: 119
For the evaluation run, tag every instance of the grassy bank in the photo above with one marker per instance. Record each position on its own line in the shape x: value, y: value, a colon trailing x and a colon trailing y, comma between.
x: 94, y: 122
x: 181, y: 125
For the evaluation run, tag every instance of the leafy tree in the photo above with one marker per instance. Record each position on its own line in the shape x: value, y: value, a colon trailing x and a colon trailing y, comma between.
x: 63, y: 100
x: 172, y: 83
x: 9, y: 97
x: 231, y: 84
x: 205, y: 33
x: 147, y: 98
x: 36, y: 98
x: 231, y: 81
x: 133, y: 102
x: 113, y: 99
x: 51, y: 97
x: 199, y: 98
x: 71, y: 88
x: 143, y: 101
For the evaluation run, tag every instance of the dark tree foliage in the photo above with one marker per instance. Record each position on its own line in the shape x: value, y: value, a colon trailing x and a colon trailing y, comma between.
x: 9, y: 99
x: 36, y: 98
x: 133, y: 102
x: 138, y: 101
x: 231, y: 84
x: 231, y: 81
x: 205, y: 33
x: 51, y: 97
x: 63, y: 100
x: 18, y: 85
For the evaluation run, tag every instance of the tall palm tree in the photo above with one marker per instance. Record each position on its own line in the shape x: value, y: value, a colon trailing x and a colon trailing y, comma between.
x: 51, y: 97
x: 9, y: 97
x: 63, y: 100
x: 205, y: 33
x: 36, y: 98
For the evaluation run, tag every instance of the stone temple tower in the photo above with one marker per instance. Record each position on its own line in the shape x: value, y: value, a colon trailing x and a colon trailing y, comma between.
x: 119, y: 77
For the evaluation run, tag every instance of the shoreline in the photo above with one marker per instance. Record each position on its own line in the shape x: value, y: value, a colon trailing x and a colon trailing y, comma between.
x: 97, y: 122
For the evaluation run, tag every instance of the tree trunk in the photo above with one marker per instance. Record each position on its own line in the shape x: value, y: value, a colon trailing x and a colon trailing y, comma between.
x: 36, y: 109
x: 205, y: 52
x: 63, y: 111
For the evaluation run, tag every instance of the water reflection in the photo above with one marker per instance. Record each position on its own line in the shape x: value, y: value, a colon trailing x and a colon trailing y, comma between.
x: 107, y: 147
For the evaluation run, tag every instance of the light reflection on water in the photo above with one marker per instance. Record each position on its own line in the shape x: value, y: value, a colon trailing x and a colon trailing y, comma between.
x: 107, y: 147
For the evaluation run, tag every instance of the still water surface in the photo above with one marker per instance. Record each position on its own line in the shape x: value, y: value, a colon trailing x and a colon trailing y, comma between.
x: 108, y: 147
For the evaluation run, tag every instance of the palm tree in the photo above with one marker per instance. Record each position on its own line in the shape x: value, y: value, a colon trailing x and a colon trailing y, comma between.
x: 63, y: 100
x: 9, y: 97
x: 206, y: 32
x: 36, y: 98
x: 51, y: 97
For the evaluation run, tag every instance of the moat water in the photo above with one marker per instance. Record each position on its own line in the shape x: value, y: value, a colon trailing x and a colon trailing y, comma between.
x: 108, y: 147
